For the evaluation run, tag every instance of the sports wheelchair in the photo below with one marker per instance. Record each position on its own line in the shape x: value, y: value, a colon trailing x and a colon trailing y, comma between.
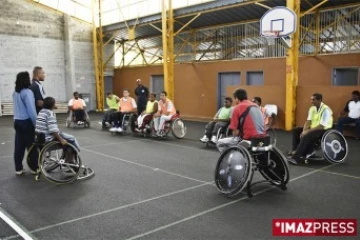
x: 332, y: 147
x: 72, y: 122
x: 223, y: 132
x: 236, y: 166
x: 146, y: 128
x: 128, y: 120
x: 51, y: 162
x: 176, y: 125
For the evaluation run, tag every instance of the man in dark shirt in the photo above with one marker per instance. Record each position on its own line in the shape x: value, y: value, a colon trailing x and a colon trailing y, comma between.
x: 142, y: 94
x: 37, y: 88
x: 351, y: 114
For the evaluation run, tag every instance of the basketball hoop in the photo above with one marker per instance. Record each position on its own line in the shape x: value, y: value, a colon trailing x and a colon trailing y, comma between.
x: 271, y: 34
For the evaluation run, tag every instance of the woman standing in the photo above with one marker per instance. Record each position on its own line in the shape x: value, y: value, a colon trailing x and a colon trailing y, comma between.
x: 24, y: 118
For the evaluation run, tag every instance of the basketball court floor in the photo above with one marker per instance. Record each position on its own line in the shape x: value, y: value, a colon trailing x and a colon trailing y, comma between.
x: 163, y: 189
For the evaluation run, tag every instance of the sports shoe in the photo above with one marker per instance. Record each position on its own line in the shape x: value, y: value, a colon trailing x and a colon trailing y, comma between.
x: 214, y: 139
x: 113, y: 129
x: 119, y: 129
x: 204, y: 139
x: 292, y: 161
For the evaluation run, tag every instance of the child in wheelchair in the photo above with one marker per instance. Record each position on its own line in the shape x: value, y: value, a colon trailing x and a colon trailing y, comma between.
x: 77, y: 106
x: 46, y: 124
x: 221, y: 119
x: 151, y: 109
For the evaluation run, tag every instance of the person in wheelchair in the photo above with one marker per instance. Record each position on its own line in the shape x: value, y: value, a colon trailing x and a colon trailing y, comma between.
x: 77, y: 106
x: 246, y: 122
x: 127, y: 106
x: 46, y: 123
x: 221, y: 119
x: 150, y: 110
x: 166, y: 110
x: 112, y: 101
x: 318, y: 121
x: 268, y: 113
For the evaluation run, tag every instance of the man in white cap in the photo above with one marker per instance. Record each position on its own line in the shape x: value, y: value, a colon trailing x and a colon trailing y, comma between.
x: 142, y: 94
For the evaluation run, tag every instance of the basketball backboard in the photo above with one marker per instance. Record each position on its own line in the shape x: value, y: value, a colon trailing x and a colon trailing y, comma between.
x: 278, y: 22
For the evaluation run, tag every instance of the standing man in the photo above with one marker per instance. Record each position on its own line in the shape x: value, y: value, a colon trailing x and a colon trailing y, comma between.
x: 142, y: 94
x: 37, y: 88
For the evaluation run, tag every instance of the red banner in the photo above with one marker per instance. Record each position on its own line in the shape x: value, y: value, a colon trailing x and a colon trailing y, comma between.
x: 314, y: 227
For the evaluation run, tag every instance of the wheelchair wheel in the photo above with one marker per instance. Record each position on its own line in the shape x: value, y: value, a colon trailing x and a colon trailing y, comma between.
x: 53, y: 165
x: 334, y: 146
x: 32, y: 157
x: 277, y: 171
x: 178, y: 128
x: 233, y: 171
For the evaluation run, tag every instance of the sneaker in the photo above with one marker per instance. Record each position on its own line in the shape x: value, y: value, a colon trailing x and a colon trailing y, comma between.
x: 19, y: 173
x: 113, y: 129
x: 119, y: 129
x: 204, y: 139
x: 214, y: 139
x: 292, y: 161
x: 291, y: 153
x: 107, y: 124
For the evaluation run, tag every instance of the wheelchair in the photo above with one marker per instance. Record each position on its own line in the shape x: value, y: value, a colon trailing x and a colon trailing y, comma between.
x: 236, y: 166
x: 146, y: 128
x: 223, y: 132
x: 72, y: 122
x: 128, y: 120
x: 332, y: 147
x: 51, y: 162
x: 176, y: 125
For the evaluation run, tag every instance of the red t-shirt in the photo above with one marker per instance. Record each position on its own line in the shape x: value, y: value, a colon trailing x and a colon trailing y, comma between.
x: 253, y: 125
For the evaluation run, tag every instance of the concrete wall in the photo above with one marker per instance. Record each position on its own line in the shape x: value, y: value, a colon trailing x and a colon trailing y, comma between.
x: 196, y: 83
x: 33, y: 35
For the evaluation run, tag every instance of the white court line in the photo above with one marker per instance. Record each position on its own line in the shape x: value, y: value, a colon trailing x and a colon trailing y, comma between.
x: 178, y: 145
x: 219, y: 207
x: 145, y: 166
x: 109, y: 143
x: 25, y: 234
x: 341, y: 174
x: 6, y: 157
x: 115, y: 209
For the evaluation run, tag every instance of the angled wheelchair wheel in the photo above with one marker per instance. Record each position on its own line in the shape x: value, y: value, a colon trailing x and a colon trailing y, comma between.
x: 32, y: 157
x: 334, y: 147
x: 53, y: 164
x: 233, y: 171
x: 277, y: 171
x: 178, y: 128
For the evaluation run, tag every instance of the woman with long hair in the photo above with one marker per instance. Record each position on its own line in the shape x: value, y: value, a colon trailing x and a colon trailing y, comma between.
x: 24, y: 119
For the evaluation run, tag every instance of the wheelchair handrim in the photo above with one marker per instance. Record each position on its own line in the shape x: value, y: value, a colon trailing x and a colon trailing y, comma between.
x: 245, y: 178
x: 326, y: 151
x: 178, y: 128
x: 46, y: 171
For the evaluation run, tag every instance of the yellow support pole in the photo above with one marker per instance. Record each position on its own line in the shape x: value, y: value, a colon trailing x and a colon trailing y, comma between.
x: 168, y: 48
x: 98, y: 56
x: 292, y: 69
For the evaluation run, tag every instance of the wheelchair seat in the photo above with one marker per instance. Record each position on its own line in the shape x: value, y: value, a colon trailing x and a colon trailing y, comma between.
x: 333, y: 147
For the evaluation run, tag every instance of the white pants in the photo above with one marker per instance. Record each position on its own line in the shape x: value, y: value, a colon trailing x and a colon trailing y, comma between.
x: 159, y: 122
x: 225, y: 143
x: 140, y: 119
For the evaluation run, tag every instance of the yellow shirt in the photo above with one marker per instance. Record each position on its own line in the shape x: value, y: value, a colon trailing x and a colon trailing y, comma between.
x: 150, y: 106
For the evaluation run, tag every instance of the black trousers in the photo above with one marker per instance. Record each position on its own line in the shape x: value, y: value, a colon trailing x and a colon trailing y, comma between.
x: 24, y: 138
x: 108, y: 116
x: 212, y: 128
x: 304, y: 145
x: 141, y: 106
x: 79, y: 114
x: 118, y: 118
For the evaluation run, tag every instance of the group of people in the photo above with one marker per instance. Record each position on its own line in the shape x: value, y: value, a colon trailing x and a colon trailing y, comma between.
x: 34, y: 113
x: 146, y: 106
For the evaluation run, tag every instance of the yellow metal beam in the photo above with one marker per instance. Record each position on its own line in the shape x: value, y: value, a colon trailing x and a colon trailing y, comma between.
x: 262, y: 5
x: 314, y: 7
x: 292, y: 68
x: 98, y: 56
x: 165, y: 43
x: 187, y: 24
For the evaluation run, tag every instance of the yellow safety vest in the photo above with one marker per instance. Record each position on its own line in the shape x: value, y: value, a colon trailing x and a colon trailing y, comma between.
x: 316, y: 116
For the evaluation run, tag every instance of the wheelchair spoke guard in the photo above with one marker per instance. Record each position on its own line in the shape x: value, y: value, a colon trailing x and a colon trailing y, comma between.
x: 233, y: 171
x: 334, y: 146
x: 277, y: 171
